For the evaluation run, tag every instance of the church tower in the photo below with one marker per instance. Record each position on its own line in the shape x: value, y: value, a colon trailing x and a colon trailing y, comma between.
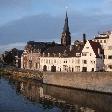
x: 66, y: 37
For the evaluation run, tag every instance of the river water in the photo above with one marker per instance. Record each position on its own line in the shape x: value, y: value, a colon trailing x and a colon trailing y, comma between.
x: 32, y: 96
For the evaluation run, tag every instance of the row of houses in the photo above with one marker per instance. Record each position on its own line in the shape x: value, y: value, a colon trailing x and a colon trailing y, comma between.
x: 82, y: 56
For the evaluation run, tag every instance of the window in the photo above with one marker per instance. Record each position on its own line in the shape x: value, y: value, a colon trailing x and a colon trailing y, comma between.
x: 65, y: 61
x: 110, y: 57
x: 87, y: 47
x: 72, y: 60
x: 104, y: 41
x: 46, y: 61
x: 85, y: 61
x: 54, y: 61
x: 77, y: 61
x: 109, y: 47
x: 42, y: 61
x: 91, y: 62
x: 84, y: 54
x: 90, y: 54
x: 110, y: 66
x: 77, y: 54
x: 100, y: 41
x: 97, y: 40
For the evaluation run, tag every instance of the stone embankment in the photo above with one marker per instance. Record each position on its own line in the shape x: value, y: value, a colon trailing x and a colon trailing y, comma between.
x: 93, y: 81
x: 20, y: 73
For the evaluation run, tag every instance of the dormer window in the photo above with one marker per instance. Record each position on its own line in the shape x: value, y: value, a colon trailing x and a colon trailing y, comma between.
x: 54, y: 54
x: 77, y: 54
x: 48, y: 54
x: 59, y: 54
x: 43, y: 54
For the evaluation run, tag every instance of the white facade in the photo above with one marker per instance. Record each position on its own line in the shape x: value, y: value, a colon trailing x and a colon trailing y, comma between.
x: 85, y: 61
x: 108, y: 55
x: 89, y: 62
x: 102, y: 39
x: 70, y: 64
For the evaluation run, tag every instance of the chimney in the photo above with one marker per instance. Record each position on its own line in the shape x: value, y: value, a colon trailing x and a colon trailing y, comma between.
x: 98, y: 51
x: 84, y: 38
x: 70, y: 47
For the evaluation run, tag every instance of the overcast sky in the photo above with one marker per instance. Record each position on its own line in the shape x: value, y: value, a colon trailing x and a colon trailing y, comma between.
x: 43, y: 20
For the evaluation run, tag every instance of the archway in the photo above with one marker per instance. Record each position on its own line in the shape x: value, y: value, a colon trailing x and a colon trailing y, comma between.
x: 44, y: 68
x: 53, y: 68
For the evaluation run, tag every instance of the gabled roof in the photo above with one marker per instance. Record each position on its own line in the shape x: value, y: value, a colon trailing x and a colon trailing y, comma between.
x: 95, y: 46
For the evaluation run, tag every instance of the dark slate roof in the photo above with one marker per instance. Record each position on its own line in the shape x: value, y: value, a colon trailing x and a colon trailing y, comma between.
x: 56, y: 50
x: 76, y: 49
x: 35, y: 46
x: 65, y: 51
x: 19, y: 53
x: 103, y: 36
x: 106, y: 37
x: 96, y: 46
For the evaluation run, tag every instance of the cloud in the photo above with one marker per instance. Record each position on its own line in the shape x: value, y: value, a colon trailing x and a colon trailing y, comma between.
x: 85, y: 16
x: 18, y: 45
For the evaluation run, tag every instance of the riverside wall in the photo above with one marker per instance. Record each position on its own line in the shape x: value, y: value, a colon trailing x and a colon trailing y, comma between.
x: 94, y: 81
x: 20, y: 73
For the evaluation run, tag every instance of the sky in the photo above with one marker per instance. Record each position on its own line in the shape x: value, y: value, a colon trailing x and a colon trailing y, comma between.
x: 43, y: 20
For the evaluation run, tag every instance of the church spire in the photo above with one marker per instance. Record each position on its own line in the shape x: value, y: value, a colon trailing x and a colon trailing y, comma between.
x: 66, y: 27
x: 66, y: 38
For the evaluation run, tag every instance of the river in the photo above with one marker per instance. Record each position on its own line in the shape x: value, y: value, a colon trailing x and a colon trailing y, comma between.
x: 31, y: 96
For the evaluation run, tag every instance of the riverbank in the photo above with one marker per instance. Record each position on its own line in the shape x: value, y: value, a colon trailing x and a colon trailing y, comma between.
x: 89, y: 81
x: 21, y: 73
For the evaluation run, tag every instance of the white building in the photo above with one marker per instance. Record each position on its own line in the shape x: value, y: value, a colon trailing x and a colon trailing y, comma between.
x: 108, y: 54
x: 92, y: 57
x: 105, y: 39
x: 59, y: 64
x: 62, y: 58
x: 102, y: 39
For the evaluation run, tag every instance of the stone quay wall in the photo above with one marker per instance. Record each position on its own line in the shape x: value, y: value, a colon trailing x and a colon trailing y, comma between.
x: 94, y: 81
x: 21, y: 73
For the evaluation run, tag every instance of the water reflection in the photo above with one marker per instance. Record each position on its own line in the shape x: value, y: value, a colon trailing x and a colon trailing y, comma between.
x: 67, y: 100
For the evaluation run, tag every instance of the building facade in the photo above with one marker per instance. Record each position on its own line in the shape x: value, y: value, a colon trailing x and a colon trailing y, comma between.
x: 108, y: 54
x: 83, y: 56
x: 92, y: 57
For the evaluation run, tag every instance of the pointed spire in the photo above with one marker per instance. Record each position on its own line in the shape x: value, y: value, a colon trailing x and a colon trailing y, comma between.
x: 66, y: 15
x: 66, y: 37
x: 66, y: 27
